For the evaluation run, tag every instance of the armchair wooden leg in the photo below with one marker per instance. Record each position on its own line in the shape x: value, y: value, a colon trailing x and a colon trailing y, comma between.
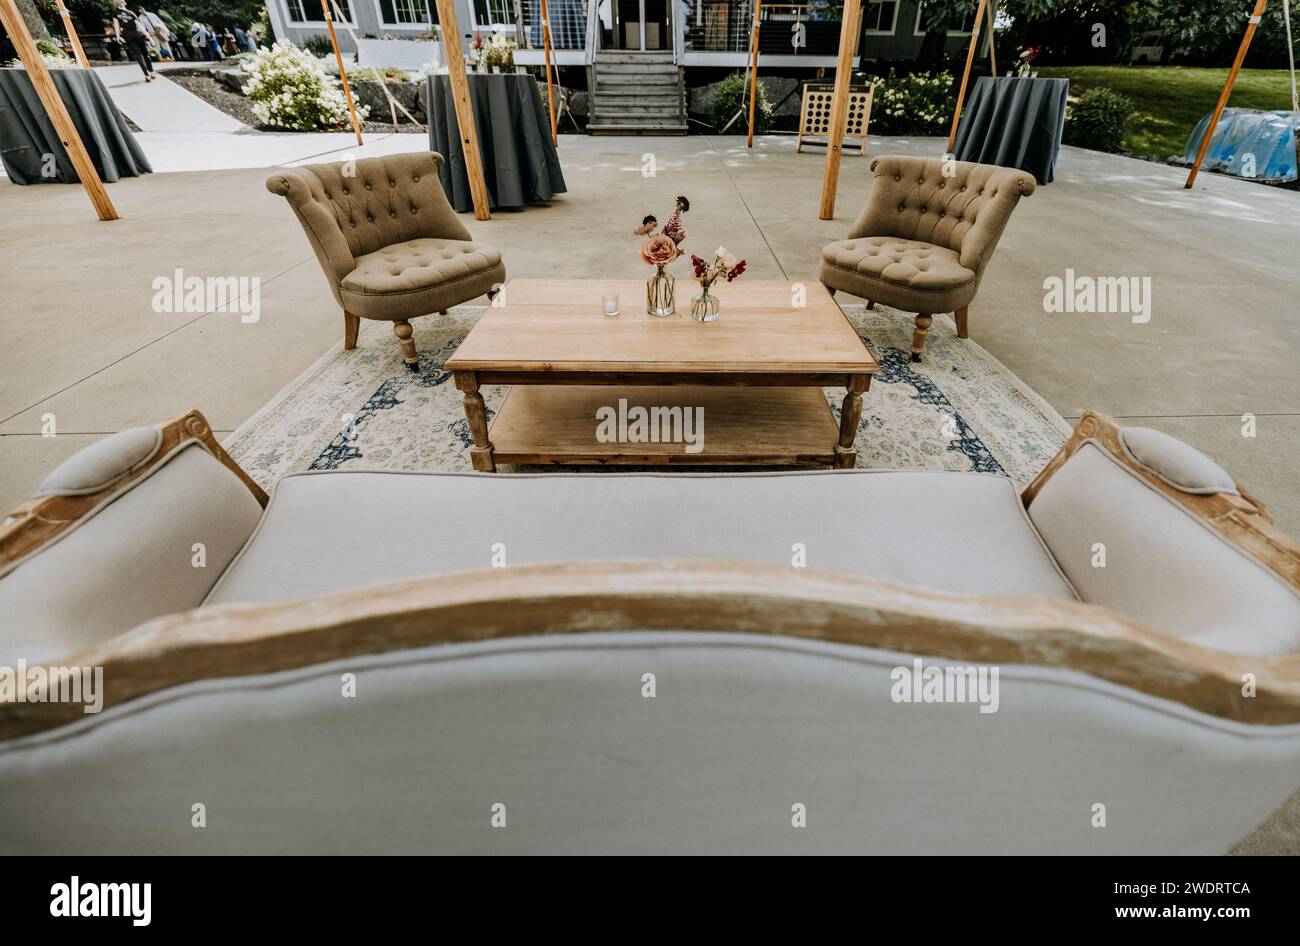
x: 919, y: 334
x: 351, y: 325
x: 871, y: 303
x: 404, y: 331
x: 960, y: 318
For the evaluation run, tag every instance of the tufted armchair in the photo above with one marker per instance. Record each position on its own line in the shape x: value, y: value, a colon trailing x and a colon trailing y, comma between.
x: 925, y: 237
x: 390, y: 244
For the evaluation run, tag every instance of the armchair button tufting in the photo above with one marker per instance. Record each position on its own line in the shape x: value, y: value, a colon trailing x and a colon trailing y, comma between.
x: 392, y: 183
x: 393, y: 214
x: 370, y: 217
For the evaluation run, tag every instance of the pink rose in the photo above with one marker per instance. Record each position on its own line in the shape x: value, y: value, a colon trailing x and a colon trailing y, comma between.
x: 659, y: 250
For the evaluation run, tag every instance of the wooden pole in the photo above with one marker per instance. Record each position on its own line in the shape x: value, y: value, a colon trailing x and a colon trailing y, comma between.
x: 1251, y: 25
x: 48, y: 93
x: 343, y: 73
x: 993, y: 53
x: 965, y: 76
x: 550, y: 91
x: 464, y: 108
x: 753, y: 66
x: 850, y: 28
x: 73, y: 37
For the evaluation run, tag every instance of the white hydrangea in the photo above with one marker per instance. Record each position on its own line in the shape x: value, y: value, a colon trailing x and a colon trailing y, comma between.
x: 289, y: 88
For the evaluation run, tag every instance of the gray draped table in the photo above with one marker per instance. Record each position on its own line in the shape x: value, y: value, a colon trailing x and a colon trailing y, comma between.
x: 27, y: 135
x: 1014, y: 122
x: 514, y: 136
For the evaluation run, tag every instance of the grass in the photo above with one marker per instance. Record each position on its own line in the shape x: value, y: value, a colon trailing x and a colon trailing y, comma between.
x: 1170, y: 100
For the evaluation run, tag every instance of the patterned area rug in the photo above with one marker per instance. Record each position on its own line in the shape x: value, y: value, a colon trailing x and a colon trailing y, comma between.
x: 960, y: 409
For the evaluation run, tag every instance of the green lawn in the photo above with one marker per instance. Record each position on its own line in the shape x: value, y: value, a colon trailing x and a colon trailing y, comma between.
x: 1170, y: 100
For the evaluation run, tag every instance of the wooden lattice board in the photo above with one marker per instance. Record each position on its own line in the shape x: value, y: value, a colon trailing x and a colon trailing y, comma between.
x: 815, y: 116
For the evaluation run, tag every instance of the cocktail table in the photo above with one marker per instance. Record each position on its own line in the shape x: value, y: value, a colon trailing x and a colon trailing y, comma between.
x: 751, y: 381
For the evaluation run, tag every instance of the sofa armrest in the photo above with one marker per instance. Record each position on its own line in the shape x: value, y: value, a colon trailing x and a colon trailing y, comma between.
x: 228, y: 641
x: 1236, y: 516
x: 318, y: 222
x: 45, y: 517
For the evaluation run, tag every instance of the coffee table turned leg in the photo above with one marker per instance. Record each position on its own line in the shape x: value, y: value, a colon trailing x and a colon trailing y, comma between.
x: 480, y: 454
x: 850, y: 415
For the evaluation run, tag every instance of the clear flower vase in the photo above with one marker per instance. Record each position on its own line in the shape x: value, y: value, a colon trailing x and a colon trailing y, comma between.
x: 659, y: 294
x: 704, y: 307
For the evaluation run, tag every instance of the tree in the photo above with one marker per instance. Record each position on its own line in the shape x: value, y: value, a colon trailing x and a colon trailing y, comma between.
x: 32, y: 17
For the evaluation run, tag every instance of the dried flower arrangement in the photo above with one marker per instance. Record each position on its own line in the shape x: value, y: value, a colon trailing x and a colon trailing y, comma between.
x: 723, y: 264
x: 663, y: 247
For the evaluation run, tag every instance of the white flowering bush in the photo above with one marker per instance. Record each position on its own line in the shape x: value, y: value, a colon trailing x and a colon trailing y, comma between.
x: 916, y: 104
x: 288, y: 88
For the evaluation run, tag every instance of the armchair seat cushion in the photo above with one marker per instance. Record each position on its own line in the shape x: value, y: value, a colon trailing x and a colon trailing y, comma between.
x: 898, y: 272
x: 436, y: 273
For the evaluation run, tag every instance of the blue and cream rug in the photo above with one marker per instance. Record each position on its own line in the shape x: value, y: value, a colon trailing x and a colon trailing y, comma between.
x: 960, y: 409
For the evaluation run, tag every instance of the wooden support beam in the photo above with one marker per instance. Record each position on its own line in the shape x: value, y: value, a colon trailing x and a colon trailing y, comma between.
x: 753, y: 66
x: 550, y: 90
x: 72, y: 36
x: 850, y: 30
x: 993, y: 53
x: 1251, y: 26
x: 464, y: 108
x: 343, y: 73
x: 965, y: 76
x: 48, y: 93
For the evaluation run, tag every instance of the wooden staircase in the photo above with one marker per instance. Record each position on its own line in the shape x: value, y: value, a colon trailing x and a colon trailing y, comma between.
x: 636, y: 93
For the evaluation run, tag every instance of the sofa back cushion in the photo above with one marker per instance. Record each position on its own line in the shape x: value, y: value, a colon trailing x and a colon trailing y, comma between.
x: 151, y: 548
x: 352, y: 208
x: 1125, y: 544
x: 958, y: 205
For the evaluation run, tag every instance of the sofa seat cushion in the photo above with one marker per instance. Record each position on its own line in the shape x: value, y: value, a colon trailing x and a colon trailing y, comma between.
x: 401, y: 281
x: 907, y: 264
x: 419, y: 264
x: 957, y: 532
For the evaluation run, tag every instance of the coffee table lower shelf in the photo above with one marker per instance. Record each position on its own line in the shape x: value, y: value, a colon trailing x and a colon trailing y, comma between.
x: 545, y: 424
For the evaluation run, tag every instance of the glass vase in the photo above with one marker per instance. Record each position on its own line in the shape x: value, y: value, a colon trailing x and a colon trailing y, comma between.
x: 659, y: 293
x: 704, y: 307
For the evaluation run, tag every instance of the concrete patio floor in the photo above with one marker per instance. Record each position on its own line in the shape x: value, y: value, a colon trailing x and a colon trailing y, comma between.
x: 84, y: 345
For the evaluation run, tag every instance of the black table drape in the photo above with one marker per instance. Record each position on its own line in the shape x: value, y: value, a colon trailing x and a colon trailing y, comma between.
x: 1014, y: 122
x: 27, y: 135
x: 514, y: 135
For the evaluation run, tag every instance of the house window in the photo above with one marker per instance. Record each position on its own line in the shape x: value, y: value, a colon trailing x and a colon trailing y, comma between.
x: 309, y: 11
x: 405, y: 13
x: 880, y: 17
x: 488, y: 12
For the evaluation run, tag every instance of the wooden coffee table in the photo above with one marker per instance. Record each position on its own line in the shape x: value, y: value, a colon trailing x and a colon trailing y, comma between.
x: 757, y: 374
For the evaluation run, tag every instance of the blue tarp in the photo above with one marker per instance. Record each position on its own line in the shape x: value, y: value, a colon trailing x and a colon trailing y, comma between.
x: 1250, y: 143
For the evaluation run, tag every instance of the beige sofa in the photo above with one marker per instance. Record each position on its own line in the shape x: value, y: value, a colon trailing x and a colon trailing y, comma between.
x: 652, y: 669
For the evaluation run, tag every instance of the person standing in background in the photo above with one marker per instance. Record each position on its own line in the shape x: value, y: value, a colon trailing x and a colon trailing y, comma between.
x: 199, y: 40
x: 241, y: 39
x: 251, y: 35
x: 155, y: 27
x: 214, y: 42
x: 129, y: 31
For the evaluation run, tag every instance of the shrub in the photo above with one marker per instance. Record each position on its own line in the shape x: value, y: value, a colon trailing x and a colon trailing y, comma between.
x: 917, y: 104
x: 288, y: 88
x: 731, y: 96
x: 1098, y: 120
x: 319, y: 45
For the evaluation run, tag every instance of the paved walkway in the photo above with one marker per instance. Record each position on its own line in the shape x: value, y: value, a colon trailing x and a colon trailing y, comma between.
x: 181, y: 132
